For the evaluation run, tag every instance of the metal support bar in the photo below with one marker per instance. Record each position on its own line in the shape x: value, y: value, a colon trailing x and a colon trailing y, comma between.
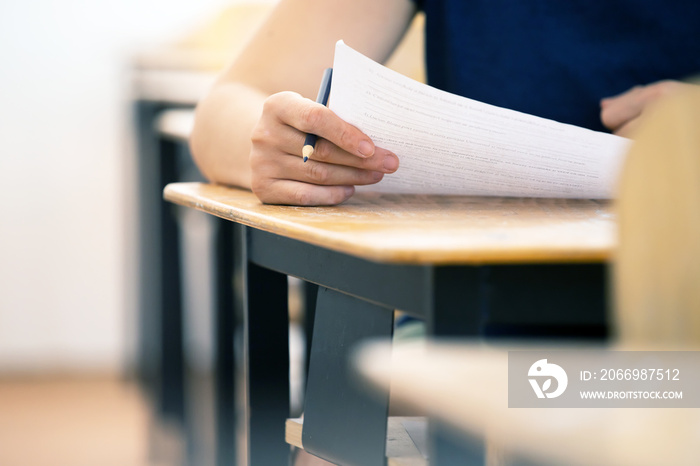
x: 454, y: 302
x: 389, y: 285
x: 310, y: 293
x: 267, y: 349
x: 546, y: 300
x: 172, y: 376
x: 341, y: 422
x: 149, y: 195
x: 450, y: 449
x: 225, y: 325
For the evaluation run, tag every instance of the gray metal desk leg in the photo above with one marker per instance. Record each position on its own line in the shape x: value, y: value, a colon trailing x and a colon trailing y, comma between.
x: 267, y: 356
x: 456, y: 309
x: 149, y: 195
x: 310, y: 294
x: 341, y: 422
x: 225, y: 327
x: 172, y: 371
x: 449, y: 449
x: 160, y: 349
x: 453, y: 449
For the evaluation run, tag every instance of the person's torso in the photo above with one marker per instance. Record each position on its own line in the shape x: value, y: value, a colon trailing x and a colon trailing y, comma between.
x: 558, y: 58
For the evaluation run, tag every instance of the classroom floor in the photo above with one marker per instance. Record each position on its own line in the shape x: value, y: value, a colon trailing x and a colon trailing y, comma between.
x: 87, y: 421
x: 76, y: 421
x: 105, y: 420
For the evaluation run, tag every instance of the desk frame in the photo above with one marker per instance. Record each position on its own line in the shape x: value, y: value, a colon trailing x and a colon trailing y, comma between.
x: 160, y: 340
x: 356, y: 300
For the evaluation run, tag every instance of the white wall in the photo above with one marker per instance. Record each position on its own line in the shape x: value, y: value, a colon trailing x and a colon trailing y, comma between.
x: 65, y: 299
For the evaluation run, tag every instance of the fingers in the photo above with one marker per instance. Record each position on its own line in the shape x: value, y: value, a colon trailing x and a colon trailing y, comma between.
x: 285, y: 179
x: 382, y: 160
x: 343, y: 157
x: 619, y: 112
x: 304, y: 194
x: 312, y: 117
x: 292, y: 168
x: 291, y: 142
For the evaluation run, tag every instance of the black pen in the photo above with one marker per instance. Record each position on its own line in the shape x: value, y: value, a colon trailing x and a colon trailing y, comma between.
x: 322, y: 98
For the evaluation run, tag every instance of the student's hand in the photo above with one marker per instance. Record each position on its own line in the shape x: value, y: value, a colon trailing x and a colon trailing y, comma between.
x: 621, y: 112
x: 344, y: 155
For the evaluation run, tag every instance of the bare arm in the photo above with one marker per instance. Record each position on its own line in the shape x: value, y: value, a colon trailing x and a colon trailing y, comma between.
x: 249, y: 130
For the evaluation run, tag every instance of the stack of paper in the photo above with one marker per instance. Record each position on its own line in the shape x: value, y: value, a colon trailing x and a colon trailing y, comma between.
x: 448, y: 144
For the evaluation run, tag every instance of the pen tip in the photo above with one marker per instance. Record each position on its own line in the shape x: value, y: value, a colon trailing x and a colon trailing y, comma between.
x: 305, y: 159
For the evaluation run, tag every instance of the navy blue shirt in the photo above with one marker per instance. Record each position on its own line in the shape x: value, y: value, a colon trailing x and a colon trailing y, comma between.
x: 558, y: 58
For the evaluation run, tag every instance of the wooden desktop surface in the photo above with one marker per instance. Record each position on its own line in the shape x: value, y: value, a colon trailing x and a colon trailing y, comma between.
x: 419, y: 229
x: 170, y: 86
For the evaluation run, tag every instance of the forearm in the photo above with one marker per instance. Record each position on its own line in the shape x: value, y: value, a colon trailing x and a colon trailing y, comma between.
x: 250, y: 129
x: 220, y: 141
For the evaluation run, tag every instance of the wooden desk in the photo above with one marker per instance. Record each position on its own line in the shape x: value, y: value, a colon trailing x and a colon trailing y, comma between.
x: 176, y: 76
x: 425, y: 255
x: 173, y: 127
x: 163, y: 114
x: 438, y: 379
x: 161, y: 160
x: 171, y: 87
x: 176, y: 124
x: 439, y: 230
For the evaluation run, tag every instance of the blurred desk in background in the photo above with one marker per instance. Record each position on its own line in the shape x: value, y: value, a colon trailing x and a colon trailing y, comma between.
x: 176, y: 124
x: 166, y: 83
x: 170, y: 88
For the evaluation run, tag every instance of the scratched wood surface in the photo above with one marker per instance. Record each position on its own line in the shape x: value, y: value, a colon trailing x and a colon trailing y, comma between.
x: 418, y: 229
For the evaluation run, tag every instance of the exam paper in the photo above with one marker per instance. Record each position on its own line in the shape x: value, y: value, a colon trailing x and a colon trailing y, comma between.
x: 448, y: 144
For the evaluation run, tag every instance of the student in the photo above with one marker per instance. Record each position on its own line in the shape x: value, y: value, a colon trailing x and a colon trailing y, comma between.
x: 546, y: 57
